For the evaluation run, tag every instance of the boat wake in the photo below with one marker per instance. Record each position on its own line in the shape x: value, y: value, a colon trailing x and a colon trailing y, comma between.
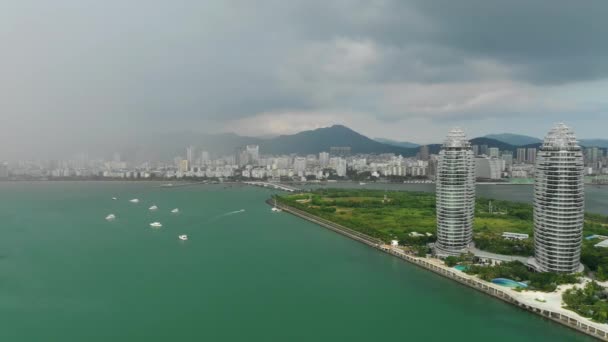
x: 234, y: 212
x: 227, y: 214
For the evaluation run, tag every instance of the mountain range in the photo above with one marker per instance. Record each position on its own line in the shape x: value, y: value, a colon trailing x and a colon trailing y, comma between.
x: 514, y: 139
x: 524, y: 140
x: 167, y: 146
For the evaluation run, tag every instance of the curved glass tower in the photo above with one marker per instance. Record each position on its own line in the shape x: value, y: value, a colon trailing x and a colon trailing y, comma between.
x: 559, y: 203
x: 455, y: 195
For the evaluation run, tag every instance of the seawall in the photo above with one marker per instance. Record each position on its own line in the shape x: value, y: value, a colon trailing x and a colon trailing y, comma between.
x: 563, y: 317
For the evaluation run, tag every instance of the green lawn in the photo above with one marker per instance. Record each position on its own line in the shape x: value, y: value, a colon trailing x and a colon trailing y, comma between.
x: 395, y: 214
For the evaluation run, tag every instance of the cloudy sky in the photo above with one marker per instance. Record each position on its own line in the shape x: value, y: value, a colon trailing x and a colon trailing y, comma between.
x: 74, y: 71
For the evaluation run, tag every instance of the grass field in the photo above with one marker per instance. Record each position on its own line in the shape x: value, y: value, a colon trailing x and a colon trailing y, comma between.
x: 392, y: 215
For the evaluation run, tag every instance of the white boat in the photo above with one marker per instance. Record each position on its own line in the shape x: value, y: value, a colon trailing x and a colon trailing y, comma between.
x: 275, y: 209
x: 168, y: 185
x: 135, y: 200
x: 111, y: 217
x: 156, y: 225
x: 183, y: 237
x: 361, y: 183
x: 154, y: 207
x: 114, y: 198
x: 175, y: 211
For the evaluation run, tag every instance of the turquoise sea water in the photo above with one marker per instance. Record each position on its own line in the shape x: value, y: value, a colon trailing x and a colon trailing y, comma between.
x: 68, y: 275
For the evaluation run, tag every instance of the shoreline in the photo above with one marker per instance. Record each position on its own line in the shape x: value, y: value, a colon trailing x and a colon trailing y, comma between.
x: 562, y: 316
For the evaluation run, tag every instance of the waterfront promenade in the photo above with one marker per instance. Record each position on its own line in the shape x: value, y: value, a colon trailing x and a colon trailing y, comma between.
x: 550, y: 309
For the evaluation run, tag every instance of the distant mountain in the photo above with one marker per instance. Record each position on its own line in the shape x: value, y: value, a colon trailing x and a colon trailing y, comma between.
x: 167, y: 146
x: 322, y: 139
x: 405, y: 144
x: 514, y: 139
x: 170, y: 145
x: 493, y: 143
x: 603, y: 143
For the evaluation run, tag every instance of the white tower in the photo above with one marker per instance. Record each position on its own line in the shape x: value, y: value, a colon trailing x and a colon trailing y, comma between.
x: 559, y: 203
x: 455, y: 195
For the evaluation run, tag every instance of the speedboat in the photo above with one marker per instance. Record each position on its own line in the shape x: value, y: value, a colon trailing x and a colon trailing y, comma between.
x: 276, y: 210
x: 114, y: 198
x: 110, y: 217
x: 135, y: 200
x: 175, y: 211
x: 183, y: 237
x: 153, y: 208
x: 156, y: 225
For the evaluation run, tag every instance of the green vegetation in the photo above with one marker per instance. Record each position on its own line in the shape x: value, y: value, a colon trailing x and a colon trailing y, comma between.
x: 395, y: 215
x: 463, y: 259
x: 515, y: 270
x: 590, y: 301
x: 367, y: 212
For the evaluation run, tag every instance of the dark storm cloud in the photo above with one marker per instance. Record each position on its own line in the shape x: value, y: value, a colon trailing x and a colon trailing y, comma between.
x: 75, y: 70
x: 554, y: 41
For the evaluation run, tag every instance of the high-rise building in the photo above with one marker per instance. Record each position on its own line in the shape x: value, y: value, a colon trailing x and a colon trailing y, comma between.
x: 254, y: 153
x: 592, y: 155
x: 508, y: 158
x: 184, y: 165
x: 205, y: 157
x: 424, y: 152
x: 493, y: 152
x: 341, y: 167
x: 558, y: 203
x: 475, y: 149
x: 299, y: 166
x: 455, y: 183
x: 521, y: 155
x: 323, y: 159
x: 483, y: 149
x: 488, y: 168
x: 190, y: 154
x: 531, y: 155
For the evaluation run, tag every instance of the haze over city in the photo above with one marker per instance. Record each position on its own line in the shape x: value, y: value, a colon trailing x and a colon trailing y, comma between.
x: 89, y: 73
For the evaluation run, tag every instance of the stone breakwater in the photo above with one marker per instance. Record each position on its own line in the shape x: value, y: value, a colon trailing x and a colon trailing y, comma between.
x: 558, y: 315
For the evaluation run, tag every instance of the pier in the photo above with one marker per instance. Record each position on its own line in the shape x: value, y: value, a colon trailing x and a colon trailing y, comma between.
x: 561, y: 316
x: 276, y: 186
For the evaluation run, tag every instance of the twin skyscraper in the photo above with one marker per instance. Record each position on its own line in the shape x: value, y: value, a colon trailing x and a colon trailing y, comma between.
x: 558, y: 200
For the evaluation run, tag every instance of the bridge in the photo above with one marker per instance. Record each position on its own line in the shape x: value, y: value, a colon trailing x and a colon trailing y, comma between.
x: 276, y: 186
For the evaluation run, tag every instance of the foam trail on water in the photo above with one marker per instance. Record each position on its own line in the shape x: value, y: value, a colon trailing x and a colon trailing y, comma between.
x: 227, y: 214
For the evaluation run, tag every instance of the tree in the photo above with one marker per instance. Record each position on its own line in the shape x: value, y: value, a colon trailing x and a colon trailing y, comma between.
x: 451, y: 261
x: 601, y: 274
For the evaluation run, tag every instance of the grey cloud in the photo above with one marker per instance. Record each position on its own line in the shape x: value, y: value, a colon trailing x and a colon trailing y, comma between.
x: 75, y: 70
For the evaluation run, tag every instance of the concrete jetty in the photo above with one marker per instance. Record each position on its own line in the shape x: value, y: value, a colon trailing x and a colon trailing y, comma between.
x: 277, y: 186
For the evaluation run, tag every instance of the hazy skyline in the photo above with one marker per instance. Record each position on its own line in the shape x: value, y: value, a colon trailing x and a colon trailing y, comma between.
x: 76, y: 72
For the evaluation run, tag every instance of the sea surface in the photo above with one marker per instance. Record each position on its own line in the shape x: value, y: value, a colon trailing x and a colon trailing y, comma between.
x: 66, y: 274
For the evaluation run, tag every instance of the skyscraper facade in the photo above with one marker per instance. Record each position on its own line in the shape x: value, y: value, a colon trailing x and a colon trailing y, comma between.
x: 424, y: 152
x: 558, y: 202
x: 521, y: 155
x: 455, y: 183
x: 190, y: 154
x: 531, y: 155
